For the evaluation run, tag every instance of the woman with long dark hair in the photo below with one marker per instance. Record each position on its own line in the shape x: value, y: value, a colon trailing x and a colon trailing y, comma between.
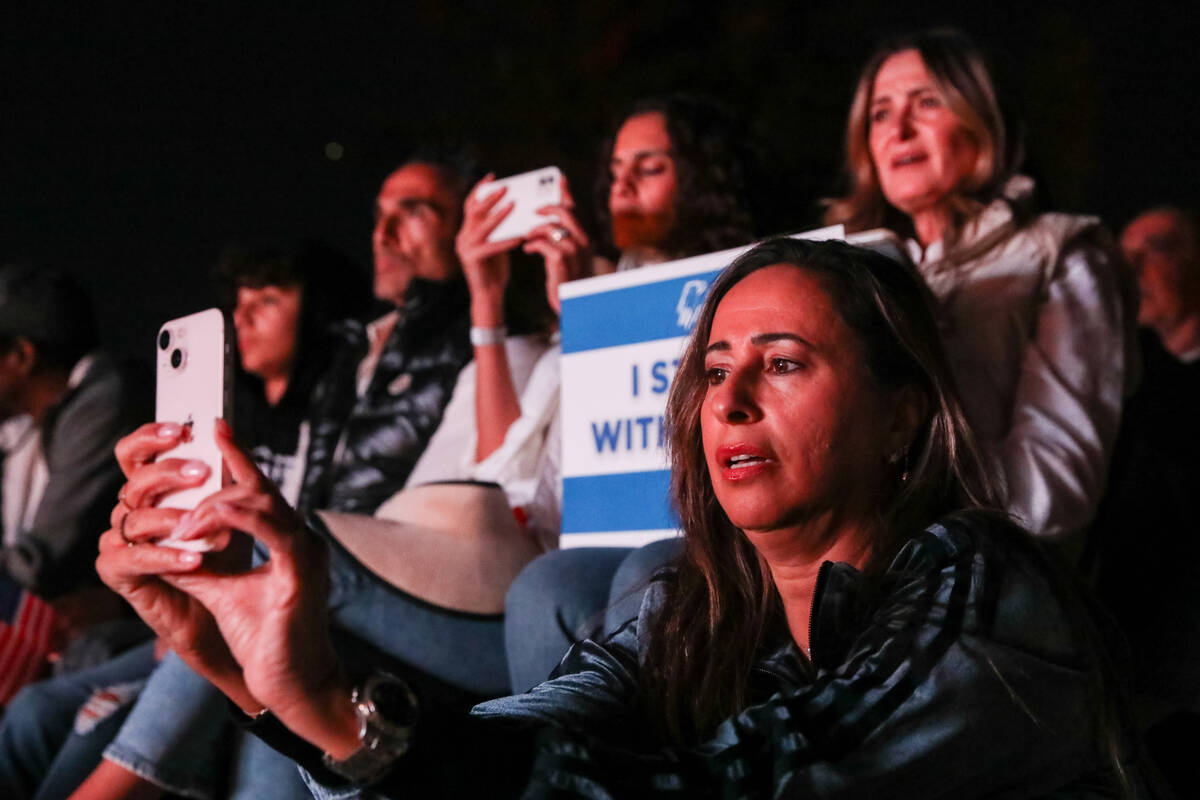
x: 851, y: 614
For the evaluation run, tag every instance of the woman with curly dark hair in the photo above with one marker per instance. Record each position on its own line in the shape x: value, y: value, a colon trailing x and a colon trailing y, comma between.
x: 677, y: 182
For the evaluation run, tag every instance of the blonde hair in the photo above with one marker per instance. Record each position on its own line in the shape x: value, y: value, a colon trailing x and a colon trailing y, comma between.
x: 961, y: 77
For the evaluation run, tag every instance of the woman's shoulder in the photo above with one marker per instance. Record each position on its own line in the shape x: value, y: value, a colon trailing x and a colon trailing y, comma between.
x: 1019, y: 198
x: 961, y: 535
x: 1057, y: 233
x: 991, y: 540
x: 1011, y: 588
x: 1012, y: 230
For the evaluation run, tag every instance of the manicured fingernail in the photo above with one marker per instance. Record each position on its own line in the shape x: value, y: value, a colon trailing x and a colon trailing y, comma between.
x: 169, y: 430
x: 193, y: 469
x: 189, y: 558
x: 182, y: 528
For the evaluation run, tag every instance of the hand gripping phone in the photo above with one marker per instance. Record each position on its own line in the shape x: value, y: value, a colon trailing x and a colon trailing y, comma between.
x: 529, y: 192
x: 194, y: 388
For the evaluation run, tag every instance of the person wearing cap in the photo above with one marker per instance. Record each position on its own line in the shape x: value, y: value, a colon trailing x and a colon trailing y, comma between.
x: 62, y: 406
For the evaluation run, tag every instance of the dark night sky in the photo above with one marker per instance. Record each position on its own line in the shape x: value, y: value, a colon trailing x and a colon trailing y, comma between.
x: 137, y: 141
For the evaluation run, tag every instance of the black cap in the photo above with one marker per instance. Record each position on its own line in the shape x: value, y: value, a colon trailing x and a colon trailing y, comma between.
x: 47, y: 307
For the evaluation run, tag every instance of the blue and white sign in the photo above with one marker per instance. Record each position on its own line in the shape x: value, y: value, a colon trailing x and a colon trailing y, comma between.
x: 622, y: 336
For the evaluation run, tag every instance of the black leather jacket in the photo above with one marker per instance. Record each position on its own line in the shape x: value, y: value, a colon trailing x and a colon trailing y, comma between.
x: 965, y: 677
x: 363, y: 448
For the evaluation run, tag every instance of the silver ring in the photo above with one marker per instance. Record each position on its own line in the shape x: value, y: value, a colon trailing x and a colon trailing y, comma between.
x: 558, y: 234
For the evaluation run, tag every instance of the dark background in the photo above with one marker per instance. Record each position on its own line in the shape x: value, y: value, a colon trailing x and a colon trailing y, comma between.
x: 138, y: 140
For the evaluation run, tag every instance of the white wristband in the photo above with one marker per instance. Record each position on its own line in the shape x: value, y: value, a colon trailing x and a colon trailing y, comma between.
x: 481, y: 337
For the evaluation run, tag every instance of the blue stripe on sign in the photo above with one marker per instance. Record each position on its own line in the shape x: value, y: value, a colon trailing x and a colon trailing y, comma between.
x: 630, y: 501
x: 634, y: 314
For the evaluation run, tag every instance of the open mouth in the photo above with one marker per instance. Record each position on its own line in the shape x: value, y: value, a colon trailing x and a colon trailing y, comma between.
x: 744, y: 460
x: 905, y: 161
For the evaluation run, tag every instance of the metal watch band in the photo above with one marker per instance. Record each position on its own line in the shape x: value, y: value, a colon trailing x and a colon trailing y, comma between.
x: 382, y: 740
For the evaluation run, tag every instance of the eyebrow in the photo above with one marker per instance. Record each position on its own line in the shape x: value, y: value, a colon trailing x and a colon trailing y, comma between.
x: 1163, y: 242
x: 762, y: 339
x: 642, y: 154
x: 910, y: 93
x: 410, y: 204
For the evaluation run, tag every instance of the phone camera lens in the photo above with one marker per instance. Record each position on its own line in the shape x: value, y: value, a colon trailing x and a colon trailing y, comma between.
x: 164, y: 340
x: 177, y: 358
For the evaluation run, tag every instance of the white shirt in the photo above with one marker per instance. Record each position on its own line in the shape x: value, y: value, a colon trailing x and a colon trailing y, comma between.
x: 377, y: 336
x: 528, y: 464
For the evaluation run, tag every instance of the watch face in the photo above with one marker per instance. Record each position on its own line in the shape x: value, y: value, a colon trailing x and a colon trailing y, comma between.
x: 394, y: 702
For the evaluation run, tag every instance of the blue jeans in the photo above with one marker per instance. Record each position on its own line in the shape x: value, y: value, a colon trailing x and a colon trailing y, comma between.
x: 45, y: 740
x: 174, y: 735
x: 177, y: 735
x: 566, y: 596
x: 464, y: 649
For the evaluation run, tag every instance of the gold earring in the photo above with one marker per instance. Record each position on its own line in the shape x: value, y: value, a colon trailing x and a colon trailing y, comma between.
x: 901, y: 457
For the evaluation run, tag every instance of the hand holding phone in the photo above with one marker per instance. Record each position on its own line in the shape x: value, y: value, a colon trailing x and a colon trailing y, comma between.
x: 194, y: 389
x: 529, y: 192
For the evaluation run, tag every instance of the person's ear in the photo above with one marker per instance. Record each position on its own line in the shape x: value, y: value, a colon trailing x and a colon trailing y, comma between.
x: 910, y: 409
x: 22, y: 356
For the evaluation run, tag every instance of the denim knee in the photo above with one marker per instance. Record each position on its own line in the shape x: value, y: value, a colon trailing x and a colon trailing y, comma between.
x: 41, y: 717
x: 176, y: 736
x: 557, y: 600
x: 633, y: 577
x: 35, y: 724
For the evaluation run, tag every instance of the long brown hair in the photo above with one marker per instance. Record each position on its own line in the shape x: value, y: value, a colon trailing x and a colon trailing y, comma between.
x: 962, y: 78
x: 724, y: 601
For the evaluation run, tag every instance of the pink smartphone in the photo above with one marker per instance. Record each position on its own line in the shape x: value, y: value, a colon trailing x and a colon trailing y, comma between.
x: 194, y: 388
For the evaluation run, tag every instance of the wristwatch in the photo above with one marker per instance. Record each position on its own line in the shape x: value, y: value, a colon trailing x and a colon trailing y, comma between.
x: 387, y: 716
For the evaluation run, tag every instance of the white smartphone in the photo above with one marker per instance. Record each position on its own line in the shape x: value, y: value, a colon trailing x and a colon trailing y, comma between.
x: 194, y: 388
x: 529, y: 191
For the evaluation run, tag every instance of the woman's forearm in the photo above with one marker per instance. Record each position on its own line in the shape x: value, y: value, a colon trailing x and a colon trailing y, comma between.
x: 110, y: 781
x: 452, y: 752
x: 325, y: 719
x: 497, y: 406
